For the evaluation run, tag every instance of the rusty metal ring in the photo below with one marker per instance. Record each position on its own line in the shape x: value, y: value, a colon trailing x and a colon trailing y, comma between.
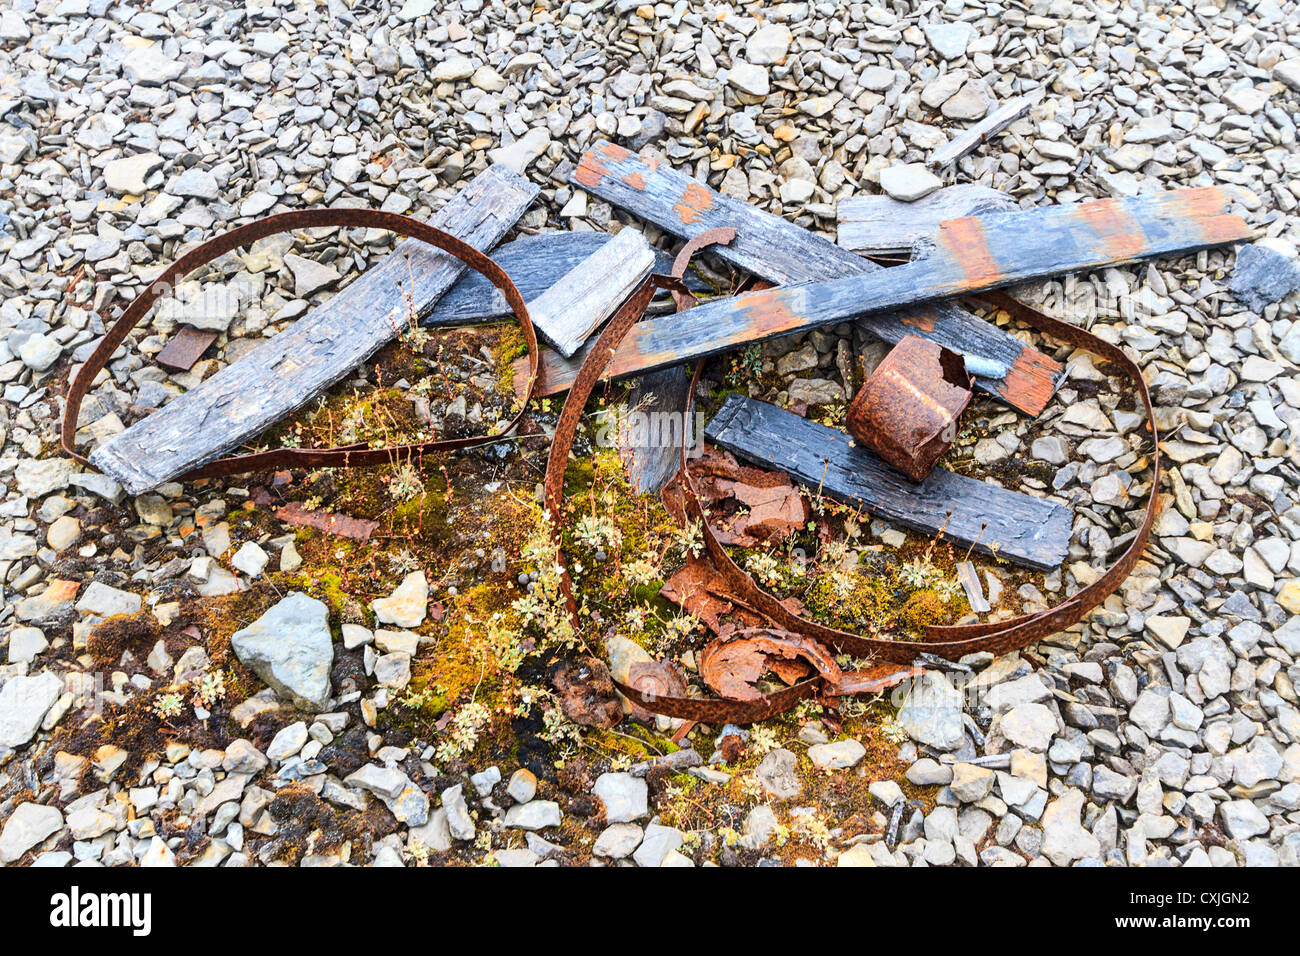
x: 950, y: 642
x: 956, y: 640
x: 346, y: 456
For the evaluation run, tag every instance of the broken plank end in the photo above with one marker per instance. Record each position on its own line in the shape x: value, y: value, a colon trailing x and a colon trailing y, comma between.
x: 1030, y: 382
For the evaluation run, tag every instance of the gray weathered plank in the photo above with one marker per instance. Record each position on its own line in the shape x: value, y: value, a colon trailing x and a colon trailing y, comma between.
x: 319, y: 349
x: 534, y: 264
x: 650, y: 457
x: 882, y: 226
x: 782, y: 253
x: 1017, y: 527
x: 583, y: 298
x: 989, y: 126
x: 970, y: 255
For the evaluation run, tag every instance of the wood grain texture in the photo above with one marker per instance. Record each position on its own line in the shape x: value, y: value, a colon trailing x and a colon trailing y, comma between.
x: 584, y: 297
x: 969, y: 255
x: 782, y: 253
x: 881, y: 225
x: 534, y: 264
x: 992, y: 124
x: 1028, y: 531
x: 290, y: 369
x: 649, y: 458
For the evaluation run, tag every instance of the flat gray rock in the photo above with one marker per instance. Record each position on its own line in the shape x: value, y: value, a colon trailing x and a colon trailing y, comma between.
x: 24, y: 702
x: 1263, y: 276
x: 290, y: 647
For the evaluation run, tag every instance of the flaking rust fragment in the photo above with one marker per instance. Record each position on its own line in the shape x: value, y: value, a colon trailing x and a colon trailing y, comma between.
x: 358, y: 529
x: 907, y: 412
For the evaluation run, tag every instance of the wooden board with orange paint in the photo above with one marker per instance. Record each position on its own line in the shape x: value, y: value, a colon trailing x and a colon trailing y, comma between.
x: 970, y: 255
x: 1020, y: 528
x: 783, y: 253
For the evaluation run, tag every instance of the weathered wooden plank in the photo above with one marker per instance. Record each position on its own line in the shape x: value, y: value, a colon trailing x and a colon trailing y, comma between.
x: 320, y: 348
x: 534, y: 264
x: 970, y: 255
x: 989, y: 126
x: 881, y: 225
x: 1019, y: 528
x: 649, y: 457
x: 782, y: 253
x: 583, y: 298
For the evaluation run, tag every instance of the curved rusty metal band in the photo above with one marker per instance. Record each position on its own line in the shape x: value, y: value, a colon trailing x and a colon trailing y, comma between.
x: 344, y: 456
x: 951, y: 642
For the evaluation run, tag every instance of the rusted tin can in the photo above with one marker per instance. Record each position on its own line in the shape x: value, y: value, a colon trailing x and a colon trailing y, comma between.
x: 907, y: 411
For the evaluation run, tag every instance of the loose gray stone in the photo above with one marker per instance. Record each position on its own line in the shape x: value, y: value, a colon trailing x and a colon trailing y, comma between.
x: 290, y: 647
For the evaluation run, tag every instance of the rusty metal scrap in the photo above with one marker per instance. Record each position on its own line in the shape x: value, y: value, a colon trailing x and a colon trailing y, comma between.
x: 907, y: 411
x: 800, y: 651
x: 344, y: 526
x: 185, y: 348
x: 949, y: 642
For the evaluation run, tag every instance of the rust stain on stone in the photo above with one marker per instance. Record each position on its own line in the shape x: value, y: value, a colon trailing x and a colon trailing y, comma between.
x: 964, y: 241
x: 696, y: 200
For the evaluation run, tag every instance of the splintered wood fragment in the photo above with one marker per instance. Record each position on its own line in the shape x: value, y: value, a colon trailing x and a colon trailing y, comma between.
x: 970, y: 580
x: 649, y: 446
x: 990, y: 125
x: 777, y: 250
x: 534, y: 264
x: 343, y: 526
x: 1019, y: 528
x: 572, y: 308
x: 324, y: 345
x: 185, y: 348
x: 881, y: 225
x: 969, y: 255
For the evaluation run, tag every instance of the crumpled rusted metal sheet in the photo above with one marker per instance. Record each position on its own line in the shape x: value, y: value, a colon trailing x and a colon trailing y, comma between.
x: 907, y: 411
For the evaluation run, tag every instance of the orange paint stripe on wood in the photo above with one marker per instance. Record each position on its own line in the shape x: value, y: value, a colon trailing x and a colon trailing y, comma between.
x: 592, y: 169
x: 1207, y: 205
x: 963, y: 240
x: 1121, y: 236
x: 696, y: 199
x: 1030, y: 382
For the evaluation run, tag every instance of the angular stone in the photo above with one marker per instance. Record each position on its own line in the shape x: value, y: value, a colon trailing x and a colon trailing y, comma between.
x: 24, y: 702
x: 777, y: 774
x: 837, y: 756
x: 1064, y: 838
x: 617, y: 841
x: 931, y: 712
x: 309, y: 276
x: 534, y: 815
x: 624, y: 797
x: 290, y: 647
x: 909, y: 182
x: 28, y: 826
x: 407, y: 605
x: 130, y: 174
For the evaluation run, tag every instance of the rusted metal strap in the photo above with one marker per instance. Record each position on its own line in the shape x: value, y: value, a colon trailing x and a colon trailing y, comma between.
x: 345, y: 456
x: 954, y: 641
x: 949, y: 642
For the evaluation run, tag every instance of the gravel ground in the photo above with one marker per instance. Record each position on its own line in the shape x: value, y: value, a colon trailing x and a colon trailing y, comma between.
x: 1163, y: 731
